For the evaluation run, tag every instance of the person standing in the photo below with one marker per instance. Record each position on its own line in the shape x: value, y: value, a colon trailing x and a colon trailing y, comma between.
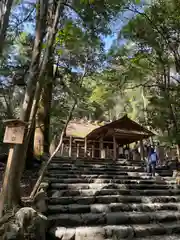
x: 152, y: 161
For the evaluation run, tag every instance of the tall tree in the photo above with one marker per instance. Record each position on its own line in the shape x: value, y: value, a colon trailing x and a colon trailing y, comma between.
x: 5, y: 9
x: 91, y: 17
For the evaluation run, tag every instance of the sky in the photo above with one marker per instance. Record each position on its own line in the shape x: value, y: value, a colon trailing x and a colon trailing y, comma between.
x: 109, y: 41
x: 115, y: 26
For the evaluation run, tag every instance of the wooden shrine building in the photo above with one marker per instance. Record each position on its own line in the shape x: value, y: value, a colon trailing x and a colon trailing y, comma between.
x: 101, y: 140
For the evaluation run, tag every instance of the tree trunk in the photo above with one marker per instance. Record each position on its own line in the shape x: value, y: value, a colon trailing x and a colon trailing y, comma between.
x: 5, y: 9
x: 41, y: 138
x: 11, y: 195
x: 33, y: 91
x: 171, y: 107
x: 35, y: 189
x: 30, y: 151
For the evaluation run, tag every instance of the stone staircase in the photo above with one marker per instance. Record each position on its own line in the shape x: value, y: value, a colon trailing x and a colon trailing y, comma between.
x: 102, y: 200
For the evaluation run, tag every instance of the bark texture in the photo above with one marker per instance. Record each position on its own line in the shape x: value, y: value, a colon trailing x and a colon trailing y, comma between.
x: 41, y: 137
x: 5, y: 9
x: 11, y: 195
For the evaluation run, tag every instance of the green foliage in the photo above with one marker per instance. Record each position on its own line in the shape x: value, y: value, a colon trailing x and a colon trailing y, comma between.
x: 134, y: 78
x: 150, y: 63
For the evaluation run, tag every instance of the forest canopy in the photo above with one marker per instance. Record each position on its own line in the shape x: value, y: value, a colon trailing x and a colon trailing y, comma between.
x: 137, y: 74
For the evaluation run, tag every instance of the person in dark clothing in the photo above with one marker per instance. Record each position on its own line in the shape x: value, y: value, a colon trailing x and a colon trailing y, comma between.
x: 152, y: 161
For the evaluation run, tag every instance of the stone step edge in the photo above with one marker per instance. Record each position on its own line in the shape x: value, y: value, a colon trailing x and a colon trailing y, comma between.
x: 160, y: 237
x: 98, y: 164
x: 99, y: 171
x: 117, y: 232
x: 118, y: 185
x: 106, y: 176
x: 99, y: 208
x: 115, y: 217
x: 109, y: 191
x: 107, y: 181
x: 111, y: 197
x: 53, y: 165
x: 94, y: 176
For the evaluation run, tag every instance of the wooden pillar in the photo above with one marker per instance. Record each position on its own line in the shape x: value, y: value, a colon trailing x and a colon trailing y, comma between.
x: 77, y: 153
x: 107, y: 152
x: 101, y: 147
x: 62, y: 149
x: 114, y: 148
x: 85, y: 147
x: 70, y: 146
x: 93, y: 151
x: 141, y: 150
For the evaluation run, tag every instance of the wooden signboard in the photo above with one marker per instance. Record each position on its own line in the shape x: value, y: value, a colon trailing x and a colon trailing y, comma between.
x: 14, y: 133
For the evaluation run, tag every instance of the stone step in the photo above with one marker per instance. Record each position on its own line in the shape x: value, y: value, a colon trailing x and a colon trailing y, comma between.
x: 109, y: 180
x: 71, y: 172
x: 113, y: 218
x: 100, y: 164
x: 160, y: 237
x: 95, y: 171
x: 128, y: 175
x: 106, y: 199
x: 91, y: 168
x: 99, y: 186
x: 113, y: 207
x: 101, y: 192
x: 99, y: 161
x: 138, y: 232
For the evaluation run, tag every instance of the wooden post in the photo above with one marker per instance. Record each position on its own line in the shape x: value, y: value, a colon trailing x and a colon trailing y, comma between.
x: 85, y: 147
x: 14, y: 134
x: 141, y: 150
x: 62, y: 149
x: 93, y: 151
x: 70, y: 146
x: 107, y: 152
x: 7, y: 175
x: 77, y: 153
x: 114, y: 148
x: 101, y: 147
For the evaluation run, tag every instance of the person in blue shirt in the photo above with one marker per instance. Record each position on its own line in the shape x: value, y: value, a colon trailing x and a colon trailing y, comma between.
x: 152, y: 161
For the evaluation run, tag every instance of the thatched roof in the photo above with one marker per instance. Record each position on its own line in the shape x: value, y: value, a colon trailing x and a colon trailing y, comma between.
x: 124, y: 129
x: 81, y: 128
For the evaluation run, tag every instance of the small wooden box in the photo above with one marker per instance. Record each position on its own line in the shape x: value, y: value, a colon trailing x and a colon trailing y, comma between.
x: 14, y: 132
